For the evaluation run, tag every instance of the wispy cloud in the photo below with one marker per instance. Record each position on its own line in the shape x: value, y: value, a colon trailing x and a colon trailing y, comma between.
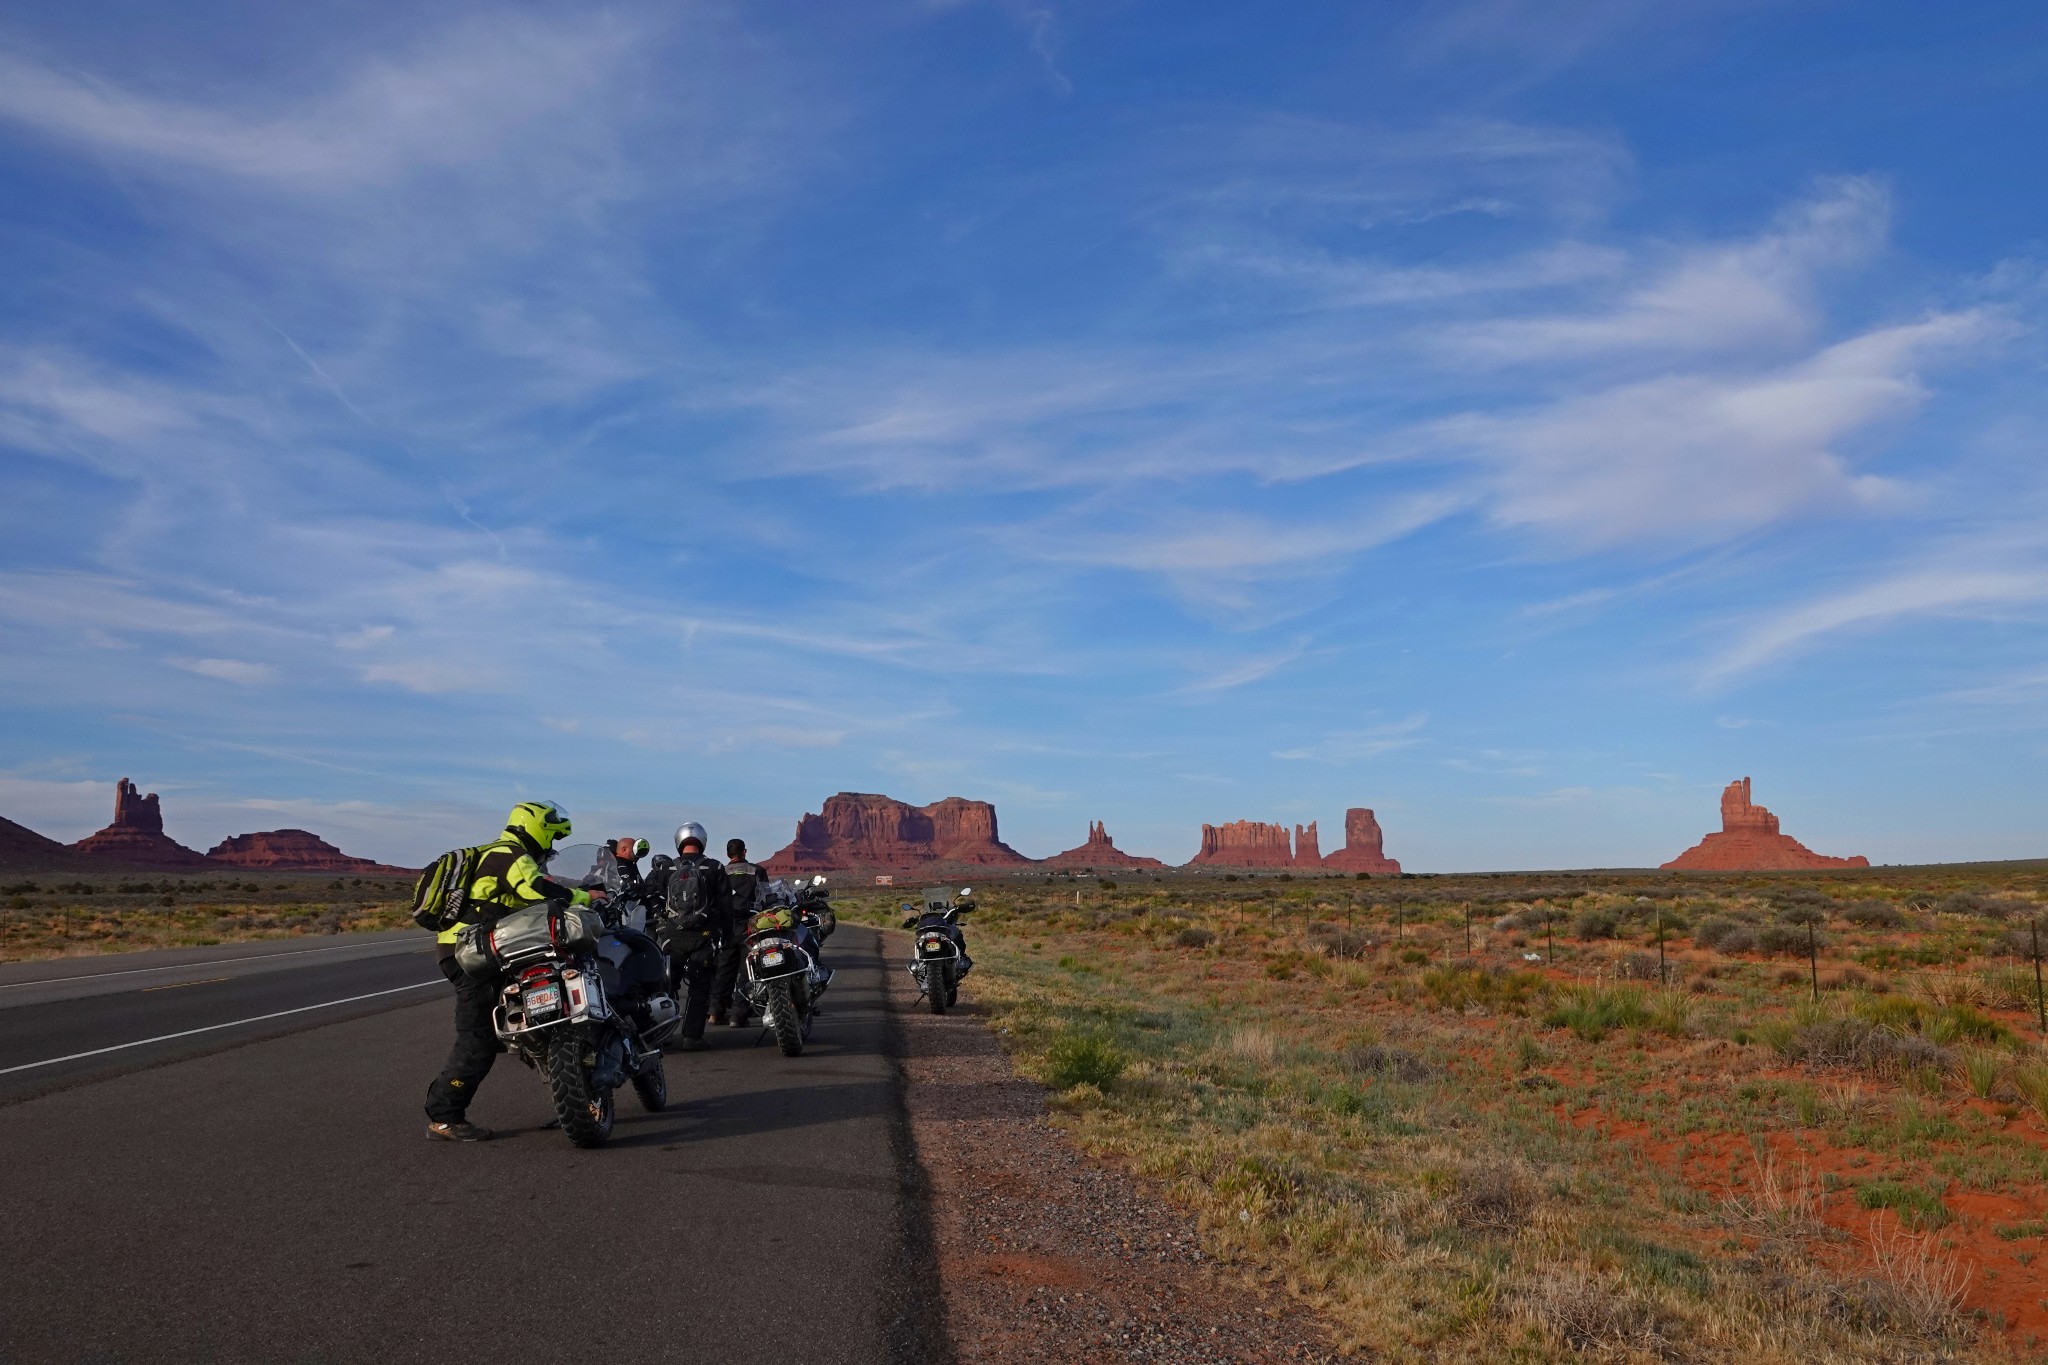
x: 1355, y: 746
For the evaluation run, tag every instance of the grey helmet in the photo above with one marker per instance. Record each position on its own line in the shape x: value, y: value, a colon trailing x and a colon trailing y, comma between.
x: 690, y: 830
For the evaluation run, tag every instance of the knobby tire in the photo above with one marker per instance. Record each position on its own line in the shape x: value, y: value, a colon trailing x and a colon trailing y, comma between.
x: 586, y: 1113
x: 651, y: 1085
x: 938, y: 985
x: 789, y: 1030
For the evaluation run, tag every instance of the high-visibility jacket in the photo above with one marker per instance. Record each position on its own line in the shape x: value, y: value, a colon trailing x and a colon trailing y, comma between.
x: 509, y: 877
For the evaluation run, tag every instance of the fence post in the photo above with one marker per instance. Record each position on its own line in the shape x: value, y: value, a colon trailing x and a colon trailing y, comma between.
x: 1663, y: 975
x: 1813, y: 960
x: 2040, y: 1011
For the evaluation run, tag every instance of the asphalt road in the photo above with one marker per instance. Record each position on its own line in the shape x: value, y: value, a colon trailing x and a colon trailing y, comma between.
x: 264, y: 1191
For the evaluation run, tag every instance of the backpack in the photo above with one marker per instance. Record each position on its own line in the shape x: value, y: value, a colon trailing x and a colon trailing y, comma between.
x: 689, y: 890
x: 441, y: 895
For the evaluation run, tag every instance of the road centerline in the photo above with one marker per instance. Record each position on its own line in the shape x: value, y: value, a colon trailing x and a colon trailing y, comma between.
x: 213, y: 1028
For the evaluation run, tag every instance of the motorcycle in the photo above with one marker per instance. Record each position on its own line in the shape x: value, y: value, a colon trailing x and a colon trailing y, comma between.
x: 585, y: 1001
x: 941, y: 949
x: 783, y: 977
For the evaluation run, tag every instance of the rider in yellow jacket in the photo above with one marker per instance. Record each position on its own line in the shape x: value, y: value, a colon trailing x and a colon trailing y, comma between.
x: 511, y: 874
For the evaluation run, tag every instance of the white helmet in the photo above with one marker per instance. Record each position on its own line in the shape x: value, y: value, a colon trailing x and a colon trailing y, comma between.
x: 691, y: 832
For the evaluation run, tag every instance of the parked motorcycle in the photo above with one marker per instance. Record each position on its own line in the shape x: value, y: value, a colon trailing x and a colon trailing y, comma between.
x: 585, y: 1001
x: 941, y: 950
x: 783, y: 977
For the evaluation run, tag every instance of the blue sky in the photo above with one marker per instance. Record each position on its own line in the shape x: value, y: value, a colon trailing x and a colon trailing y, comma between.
x: 1519, y: 418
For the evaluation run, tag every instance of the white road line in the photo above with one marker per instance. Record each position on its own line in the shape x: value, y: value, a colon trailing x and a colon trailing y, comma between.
x: 206, y: 962
x: 232, y: 1023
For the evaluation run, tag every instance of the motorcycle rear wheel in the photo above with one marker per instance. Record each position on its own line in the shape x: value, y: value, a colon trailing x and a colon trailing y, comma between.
x: 585, y: 1111
x: 938, y: 985
x: 782, y: 1018
x: 651, y: 1085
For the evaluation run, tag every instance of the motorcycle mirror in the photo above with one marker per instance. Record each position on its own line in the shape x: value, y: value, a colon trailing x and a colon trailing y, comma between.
x: 818, y: 880
x: 966, y: 891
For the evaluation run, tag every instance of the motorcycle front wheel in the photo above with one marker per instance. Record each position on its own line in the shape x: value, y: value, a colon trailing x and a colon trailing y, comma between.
x: 938, y: 984
x: 782, y: 1018
x: 585, y: 1110
x: 651, y: 1085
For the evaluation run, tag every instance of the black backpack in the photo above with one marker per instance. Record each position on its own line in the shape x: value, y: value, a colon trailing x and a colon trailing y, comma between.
x: 441, y: 895
x: 690, y: 890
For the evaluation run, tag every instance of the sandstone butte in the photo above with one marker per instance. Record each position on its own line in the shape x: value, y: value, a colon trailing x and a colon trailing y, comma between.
x: 295, y: 850
x: 861, y: 831
x: 1364, y: 846
x: 137, y: 839
x: 137, y: 835
x: 1099, y: 852
x: 1244, y: 843
x: 1749, y: 841
x: 1252, y: 844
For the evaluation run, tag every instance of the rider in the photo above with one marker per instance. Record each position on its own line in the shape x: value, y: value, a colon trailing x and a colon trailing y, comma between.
x: 697, y: 886
x: 509, y: 876
x: 628, y: 852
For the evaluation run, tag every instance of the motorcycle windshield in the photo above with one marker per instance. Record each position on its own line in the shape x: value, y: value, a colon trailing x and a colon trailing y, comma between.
x: 577, y: 865
x: 937, y: 899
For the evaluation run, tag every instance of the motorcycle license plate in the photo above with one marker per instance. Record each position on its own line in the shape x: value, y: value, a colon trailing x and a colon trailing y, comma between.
x: 772, y: 958
x: 937, y: 945
x: 545, y: 999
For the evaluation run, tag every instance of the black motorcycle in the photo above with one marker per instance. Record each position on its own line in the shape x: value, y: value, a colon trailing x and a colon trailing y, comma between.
x: 585, y: 1001
x: 941, y: 949
x: 783, y: 978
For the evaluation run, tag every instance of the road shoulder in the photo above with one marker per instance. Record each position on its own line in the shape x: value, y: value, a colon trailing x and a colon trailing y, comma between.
x: 1044, y: 1254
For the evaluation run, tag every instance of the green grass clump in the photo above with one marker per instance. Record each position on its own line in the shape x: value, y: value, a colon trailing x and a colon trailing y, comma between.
x: 1917, y: 1206
x: 1084, y: 1059
x: 1454, y: 988
x: 1592, y: 1013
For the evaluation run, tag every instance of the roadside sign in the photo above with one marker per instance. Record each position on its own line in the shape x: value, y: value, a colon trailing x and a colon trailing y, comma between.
x: 885, y: 881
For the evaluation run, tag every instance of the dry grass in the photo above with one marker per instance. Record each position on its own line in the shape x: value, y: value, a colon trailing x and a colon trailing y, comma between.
x: 1918, y: 1289
x: 1470, y: 1156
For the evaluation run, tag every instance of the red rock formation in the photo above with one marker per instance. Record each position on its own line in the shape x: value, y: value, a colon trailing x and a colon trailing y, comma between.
x: 861, y: 831
x: 1749, y: 841
x: 1244, y: 843
x: 24, y: 850
x: 137, y: 835
x: 1308, y: 851
x: 295, y: 850
x: 1364, y: 846
x: 1099, y: 851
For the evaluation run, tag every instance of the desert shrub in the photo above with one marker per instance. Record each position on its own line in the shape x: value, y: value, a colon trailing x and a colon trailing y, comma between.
x: 2018, y: 941
x: 1393, y: 1063
x: 1787, y: 938
x: 1494, y: 1196
x: 1959, y: 903
x: 1873, y: 914
x: 1853, y: 1042
x: 1595, y: 924
x: 1638, y: 967
x: 1588, y: 1316
x: 1414, y: 957
x: 1083, y: 1059
x: 1194, y: 936
x: 1340, y: 941
x: 1724, y: 934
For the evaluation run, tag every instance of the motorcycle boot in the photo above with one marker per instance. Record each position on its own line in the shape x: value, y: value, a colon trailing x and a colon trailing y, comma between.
x: 461, y: 1130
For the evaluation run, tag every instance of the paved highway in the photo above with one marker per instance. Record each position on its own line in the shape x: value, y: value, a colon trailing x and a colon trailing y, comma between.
x: 252, y: 1183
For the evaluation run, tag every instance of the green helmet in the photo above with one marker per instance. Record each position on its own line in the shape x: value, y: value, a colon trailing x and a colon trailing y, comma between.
x: 541, y: 821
